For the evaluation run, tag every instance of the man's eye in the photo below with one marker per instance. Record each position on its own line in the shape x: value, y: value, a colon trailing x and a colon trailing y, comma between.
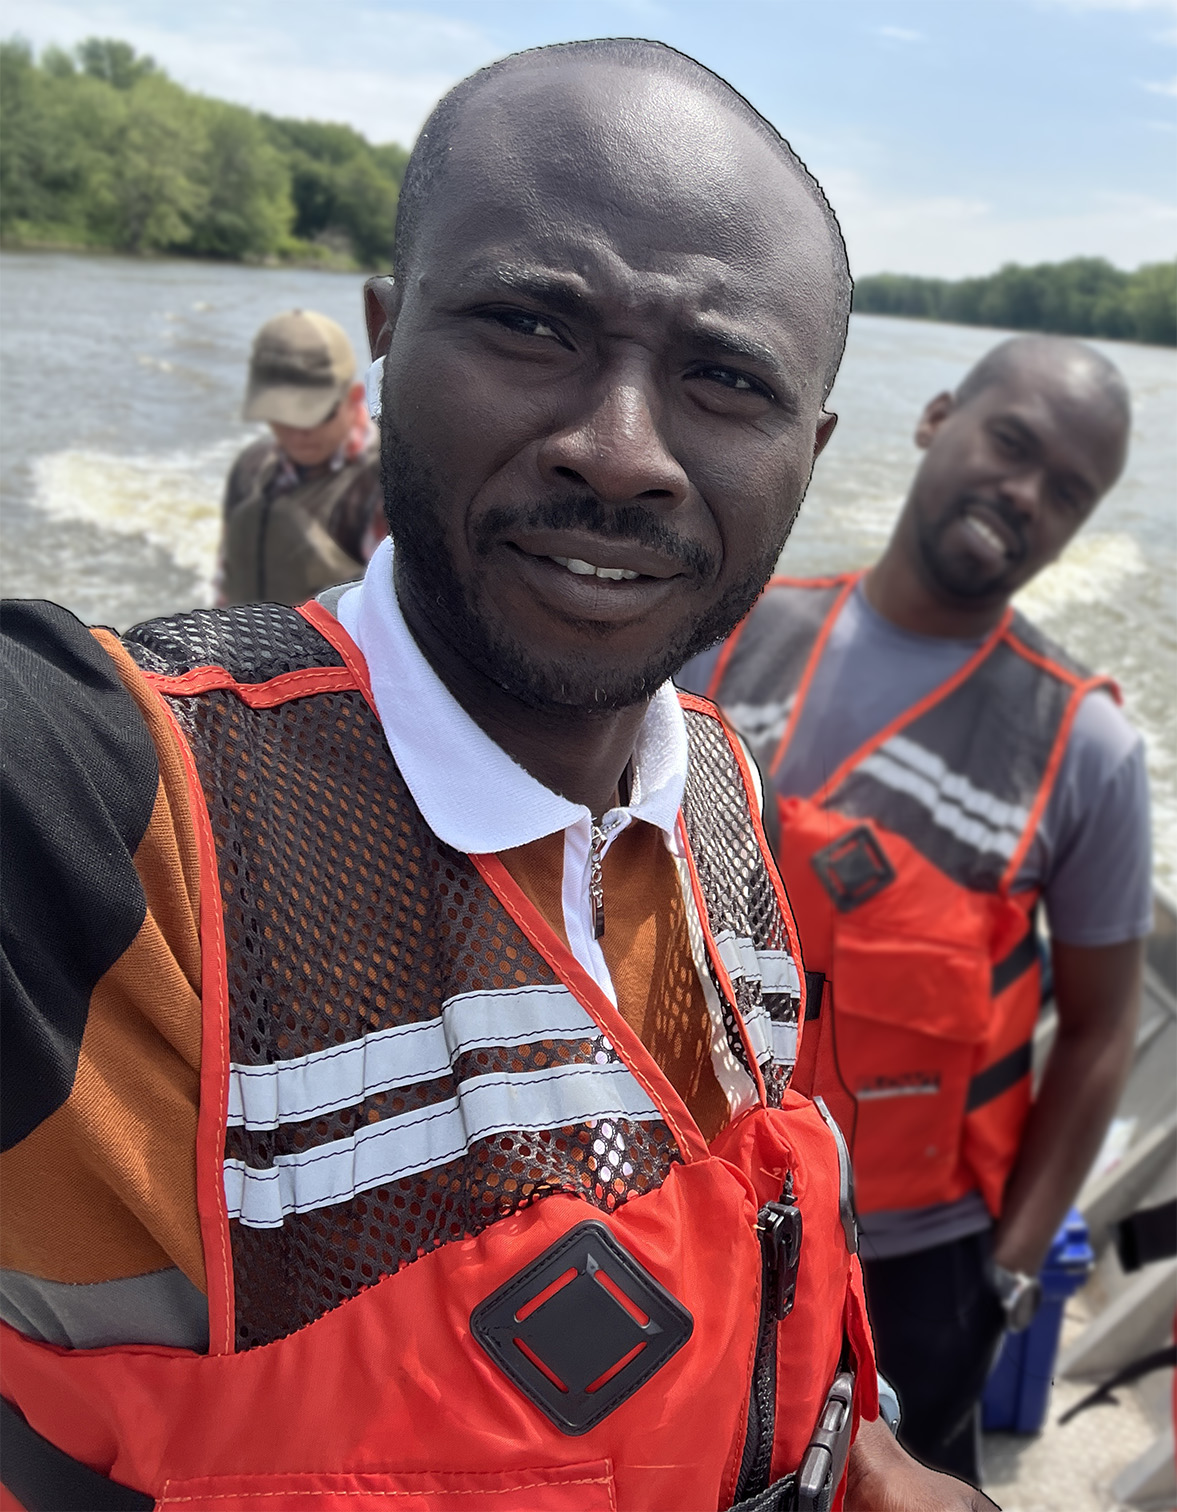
x: 522, y: 324
x: 1068, y: 496
x: 1008, y: 442
x: 740, y: 383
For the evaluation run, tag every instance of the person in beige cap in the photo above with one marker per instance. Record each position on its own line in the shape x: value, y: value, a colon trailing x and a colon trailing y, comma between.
x: 303, y: 509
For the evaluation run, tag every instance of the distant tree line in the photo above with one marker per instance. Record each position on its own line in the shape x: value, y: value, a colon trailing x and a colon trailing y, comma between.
x: 99, y: 148
x: 1085, y: 296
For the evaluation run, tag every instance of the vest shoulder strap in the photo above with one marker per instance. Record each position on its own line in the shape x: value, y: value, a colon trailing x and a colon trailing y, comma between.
x: 1026, y: 637
x: 252, y: 642
x: 763, y: 662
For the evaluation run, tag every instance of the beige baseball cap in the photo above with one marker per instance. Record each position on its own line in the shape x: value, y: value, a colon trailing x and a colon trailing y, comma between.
x: 301, y: 366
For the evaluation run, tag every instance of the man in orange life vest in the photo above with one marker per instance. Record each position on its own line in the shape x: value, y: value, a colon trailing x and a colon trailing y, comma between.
x: 941, y: 766
x: 402, y: 1002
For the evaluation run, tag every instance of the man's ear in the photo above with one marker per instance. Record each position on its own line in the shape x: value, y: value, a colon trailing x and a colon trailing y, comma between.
x: 825, y: 429
x: 934, y: 415
x: 381, y: 307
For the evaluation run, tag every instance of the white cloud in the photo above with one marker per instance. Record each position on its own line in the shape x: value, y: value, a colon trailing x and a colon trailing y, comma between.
x: 899, y: 34
x: 958, y: 236
x: 379, y: 70
x: 1169, y: 88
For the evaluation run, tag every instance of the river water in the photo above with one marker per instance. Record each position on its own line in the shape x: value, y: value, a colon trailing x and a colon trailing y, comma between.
x: 120, y: 385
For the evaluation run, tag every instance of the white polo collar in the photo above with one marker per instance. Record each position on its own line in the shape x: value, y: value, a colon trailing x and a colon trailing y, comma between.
x: 471, y: 793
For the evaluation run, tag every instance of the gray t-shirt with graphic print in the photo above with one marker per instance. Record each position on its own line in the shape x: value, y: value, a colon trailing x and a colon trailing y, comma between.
x: 1090, y: 856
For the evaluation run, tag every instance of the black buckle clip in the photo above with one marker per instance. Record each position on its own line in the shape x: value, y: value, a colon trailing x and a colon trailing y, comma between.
x: 780, y: 1233
x: 853, y: 868
x: 581, y: 1328
x: 824, y: 1460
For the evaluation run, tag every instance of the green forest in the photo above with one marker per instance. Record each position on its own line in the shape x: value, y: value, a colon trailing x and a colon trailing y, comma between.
x: 100, y: 149
x: 1085, y: 296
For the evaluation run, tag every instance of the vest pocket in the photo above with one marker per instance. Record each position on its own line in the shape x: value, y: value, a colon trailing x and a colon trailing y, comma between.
x: 909, y: 1019
x: 586, y: 1487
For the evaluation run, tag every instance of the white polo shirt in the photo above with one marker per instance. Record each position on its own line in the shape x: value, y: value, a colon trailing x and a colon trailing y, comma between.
x: 474, y: 796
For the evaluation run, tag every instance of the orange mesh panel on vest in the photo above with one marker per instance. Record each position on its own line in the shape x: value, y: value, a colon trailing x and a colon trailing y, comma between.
x: 648, y: 953
x: 344, y: 915
x: 735, y: 882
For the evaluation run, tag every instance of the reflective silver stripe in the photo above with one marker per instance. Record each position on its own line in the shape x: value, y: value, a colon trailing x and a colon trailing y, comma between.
x: 845, y: 1178
x: 737, y: 953
x: 759, y: 1027
x: 784, y: 1043
x: 307, y: 1086
x: 942, y: 810
x: 877, y: 1094
x: 738, y: 1087
x: 974, y: 800
x: 761, y: 722
x: 406, y: 1143
x: 778, y: 972
x: 774, y: 969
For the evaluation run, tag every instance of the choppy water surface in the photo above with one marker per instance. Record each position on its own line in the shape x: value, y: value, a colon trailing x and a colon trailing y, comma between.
x: 120, y: 385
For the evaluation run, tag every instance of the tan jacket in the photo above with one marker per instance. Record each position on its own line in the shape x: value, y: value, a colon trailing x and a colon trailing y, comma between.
x: 284, y: 544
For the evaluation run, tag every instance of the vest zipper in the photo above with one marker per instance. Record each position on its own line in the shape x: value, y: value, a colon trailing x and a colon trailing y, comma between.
x: 779, y: 1226
x: 596, y: 879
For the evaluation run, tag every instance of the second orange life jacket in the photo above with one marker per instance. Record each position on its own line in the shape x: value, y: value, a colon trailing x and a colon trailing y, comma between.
x: 899, y: 869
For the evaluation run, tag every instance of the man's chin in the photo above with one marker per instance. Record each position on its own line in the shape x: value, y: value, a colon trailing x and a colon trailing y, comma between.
x: 957, y: 581
x: 575, y: 687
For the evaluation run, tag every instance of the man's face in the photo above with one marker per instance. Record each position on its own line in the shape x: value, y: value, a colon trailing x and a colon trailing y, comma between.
x: 311, y: 446
x: 603, y: 391
x: 1009, y: 477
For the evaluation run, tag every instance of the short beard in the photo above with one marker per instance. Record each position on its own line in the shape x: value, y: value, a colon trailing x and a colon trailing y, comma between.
x: 425, y: 568
x: 964, y: 584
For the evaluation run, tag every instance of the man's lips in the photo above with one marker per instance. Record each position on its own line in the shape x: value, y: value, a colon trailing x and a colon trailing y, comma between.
x: 586, y: 555
x: 989, y: 530
x: 575, y: 595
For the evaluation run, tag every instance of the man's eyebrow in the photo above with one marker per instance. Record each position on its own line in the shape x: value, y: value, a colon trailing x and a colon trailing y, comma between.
x: 560, y: 291
x: 728, y: 343
x: 568, y: 293
x: 1026, y: 432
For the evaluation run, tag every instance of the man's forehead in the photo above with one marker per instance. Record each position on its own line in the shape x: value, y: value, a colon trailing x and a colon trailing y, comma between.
x: 618, y: 169
x: 1067, y: 394
x: 616, y: 140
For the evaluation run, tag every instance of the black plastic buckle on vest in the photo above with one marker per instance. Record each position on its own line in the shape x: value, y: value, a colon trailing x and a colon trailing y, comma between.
x: 780, y: 1240
x: 581, y: 1328
x: 825, y: 1458
x: 853, y: 868
x: 813, y: 1487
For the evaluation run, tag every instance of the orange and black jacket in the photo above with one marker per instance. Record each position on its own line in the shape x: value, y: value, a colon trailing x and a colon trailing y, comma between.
x: 427, y: 1218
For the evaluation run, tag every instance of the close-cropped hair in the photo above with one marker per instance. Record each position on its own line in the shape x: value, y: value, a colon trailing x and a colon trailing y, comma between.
x: 425, y: 170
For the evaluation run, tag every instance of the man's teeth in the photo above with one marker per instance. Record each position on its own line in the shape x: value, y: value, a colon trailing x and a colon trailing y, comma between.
x: 987, y: 533
x: 586, y: 569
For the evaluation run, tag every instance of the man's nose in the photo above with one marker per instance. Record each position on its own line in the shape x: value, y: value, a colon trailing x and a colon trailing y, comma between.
x: 616, y: 449
x: 1025, y: 490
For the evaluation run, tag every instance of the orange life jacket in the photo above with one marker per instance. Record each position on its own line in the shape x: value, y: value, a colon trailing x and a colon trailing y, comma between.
x: 899, y: 870
x: 465, y: 1246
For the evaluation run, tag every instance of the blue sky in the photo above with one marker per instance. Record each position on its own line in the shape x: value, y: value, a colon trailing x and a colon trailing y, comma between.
x: 951, y: 135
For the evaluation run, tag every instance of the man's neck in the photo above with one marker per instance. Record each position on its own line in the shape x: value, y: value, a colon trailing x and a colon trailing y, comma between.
x: 896, y: 589
x: 577, y: 753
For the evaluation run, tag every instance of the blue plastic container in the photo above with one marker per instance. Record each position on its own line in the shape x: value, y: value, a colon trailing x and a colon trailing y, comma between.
x: 1018, y: 1390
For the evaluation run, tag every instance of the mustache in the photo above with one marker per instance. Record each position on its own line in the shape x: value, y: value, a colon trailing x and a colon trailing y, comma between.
x: 1004, y: 511
x: 615, y: 522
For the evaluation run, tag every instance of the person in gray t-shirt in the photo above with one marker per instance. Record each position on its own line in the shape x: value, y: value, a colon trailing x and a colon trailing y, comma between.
x: 836, y: 685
